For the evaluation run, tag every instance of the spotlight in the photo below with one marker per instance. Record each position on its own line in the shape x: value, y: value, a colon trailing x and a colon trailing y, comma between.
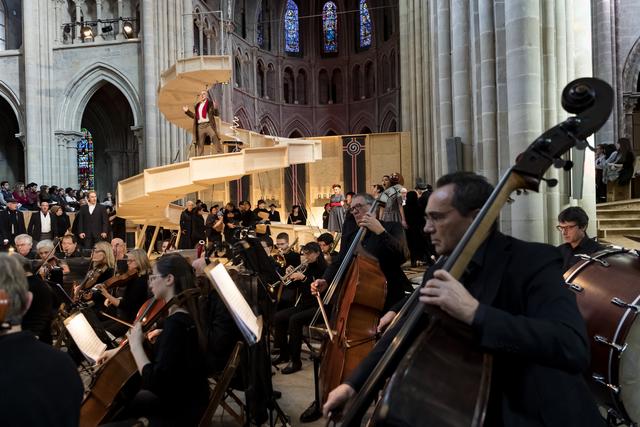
x: 127, y: 28
x: 107, y: 28
x: 67, y: 29
x: 87, y: 33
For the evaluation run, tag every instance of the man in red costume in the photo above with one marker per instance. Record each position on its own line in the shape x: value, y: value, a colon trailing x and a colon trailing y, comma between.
x: 204, y: 123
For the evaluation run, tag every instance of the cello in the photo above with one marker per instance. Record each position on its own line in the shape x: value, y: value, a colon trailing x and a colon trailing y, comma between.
x: 355, y: 316
x: 444, y: 352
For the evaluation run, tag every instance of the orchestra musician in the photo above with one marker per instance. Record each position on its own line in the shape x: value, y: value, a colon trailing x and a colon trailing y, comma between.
x: 102, y: 268
x: 39, y: 316
x: 514, y: 300
x: 24, y: 244
x: 291, y: 321
x: 285, y: 257
x: 69, y: 246
x: 327, y: 244
x: 51, y: 268
x: 133, y: 294
x: 175, y: 389
x: 41, y: 384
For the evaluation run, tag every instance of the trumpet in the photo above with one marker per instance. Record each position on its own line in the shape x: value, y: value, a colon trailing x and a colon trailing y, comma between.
x: 286, y: 279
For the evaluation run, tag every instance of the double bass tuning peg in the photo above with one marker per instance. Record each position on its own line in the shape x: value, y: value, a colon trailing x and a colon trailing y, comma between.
x: 561, y: 163
x: 551, y: 182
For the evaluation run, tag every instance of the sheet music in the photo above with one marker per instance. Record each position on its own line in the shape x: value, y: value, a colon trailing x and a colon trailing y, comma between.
x: 248, y: 323
x: 84, y: 336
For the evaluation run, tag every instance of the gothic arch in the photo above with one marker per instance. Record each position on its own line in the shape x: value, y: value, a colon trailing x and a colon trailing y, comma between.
x: 331, y: 124
x: 267, y: 122
x: 631, y: 69
x: 389, y: 119
x: 296, y: 124
x: 85, y: 84
x: 12, y: 99
x: 362, y: 120
x: 243, y: 118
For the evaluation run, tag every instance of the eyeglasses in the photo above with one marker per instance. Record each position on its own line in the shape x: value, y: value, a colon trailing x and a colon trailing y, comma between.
x: 357, y: 207
x: 563, y: 228
x: 436, y: 217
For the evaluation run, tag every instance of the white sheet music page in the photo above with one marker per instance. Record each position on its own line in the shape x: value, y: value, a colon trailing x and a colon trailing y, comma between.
x: 84, y: 336
x: 248, y: 323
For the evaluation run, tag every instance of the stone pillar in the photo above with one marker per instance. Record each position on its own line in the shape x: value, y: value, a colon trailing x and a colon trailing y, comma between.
x: 187, y: 30
x: 150, y: 83
x: 605, y: 58
x: 461, y: 79
x: 100, y: 35
x: 79, y: 5
x: 120, y: 34
x: 38, y: 102
x: 138, y: 139
x: 629, y: 104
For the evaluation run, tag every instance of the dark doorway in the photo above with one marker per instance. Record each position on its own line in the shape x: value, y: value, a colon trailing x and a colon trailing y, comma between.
x: 109, y: 118
x: 11, y: 150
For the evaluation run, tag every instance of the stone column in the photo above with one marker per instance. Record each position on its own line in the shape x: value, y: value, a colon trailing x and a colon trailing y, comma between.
x: 120, y: 34
x: 38, y: 65
x: 79, y: 5
x: 100, y: 35
x: 187, y: 30
x: 138, y: 139
x: 151, y: 118
x: 605, y: 58
x: 461, y: 79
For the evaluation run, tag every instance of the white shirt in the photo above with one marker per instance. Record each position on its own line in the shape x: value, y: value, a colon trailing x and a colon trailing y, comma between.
x: 91, y: 208
x: 45, y: 223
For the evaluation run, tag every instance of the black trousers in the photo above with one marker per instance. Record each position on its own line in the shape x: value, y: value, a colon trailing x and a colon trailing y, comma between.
x: 291, y: 321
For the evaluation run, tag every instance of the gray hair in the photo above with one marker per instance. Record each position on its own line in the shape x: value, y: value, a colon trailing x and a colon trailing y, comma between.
x: 44, y: 244
x: 23, y: 238
x: 14, y: 282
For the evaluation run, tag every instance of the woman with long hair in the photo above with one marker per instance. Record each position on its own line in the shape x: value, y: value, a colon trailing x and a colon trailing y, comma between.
x: 174, y: 390
x: 20, y: 195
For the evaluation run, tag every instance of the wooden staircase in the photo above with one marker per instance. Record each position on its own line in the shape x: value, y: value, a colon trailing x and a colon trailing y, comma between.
x: 618, y: 221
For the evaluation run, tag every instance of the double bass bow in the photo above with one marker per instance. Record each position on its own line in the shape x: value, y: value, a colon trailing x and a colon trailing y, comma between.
x: 445, y: 347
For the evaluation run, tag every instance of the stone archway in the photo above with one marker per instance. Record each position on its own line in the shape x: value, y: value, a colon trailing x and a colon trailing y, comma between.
x: 108, y: 116
x: 11, y: 148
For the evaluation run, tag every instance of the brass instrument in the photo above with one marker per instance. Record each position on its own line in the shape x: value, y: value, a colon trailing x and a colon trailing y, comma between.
x: 277, y: 287
x: 279, y: 256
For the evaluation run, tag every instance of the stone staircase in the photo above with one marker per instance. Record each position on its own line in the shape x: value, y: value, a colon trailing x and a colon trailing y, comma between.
x: 618, y: 222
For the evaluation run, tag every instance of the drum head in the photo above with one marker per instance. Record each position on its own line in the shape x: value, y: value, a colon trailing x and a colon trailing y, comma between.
x: 630, y: 373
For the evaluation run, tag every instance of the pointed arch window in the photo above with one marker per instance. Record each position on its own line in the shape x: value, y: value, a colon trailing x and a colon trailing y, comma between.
x: 260, y: 31
x: 291, y: 28
x: 365, y: 25
x: 330, y: 27
x: 86, y: 165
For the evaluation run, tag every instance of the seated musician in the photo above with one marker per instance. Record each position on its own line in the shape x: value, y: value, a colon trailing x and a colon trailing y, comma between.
x: 40, y: 384
x: 51, y: 269
x: 326, y: 242
x: 39, y: 316
x: 572, y: 223
x: 69, y: 246
x: 24, y: 244
x: 102, y: 267
x: 514, y: 301
x: 134, y: 293
x: 285, y: 257
x: 292, y: 320
x: 175, y: 390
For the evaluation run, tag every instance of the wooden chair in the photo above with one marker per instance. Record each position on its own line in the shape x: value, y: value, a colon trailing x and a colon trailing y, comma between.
x: 219, y: 392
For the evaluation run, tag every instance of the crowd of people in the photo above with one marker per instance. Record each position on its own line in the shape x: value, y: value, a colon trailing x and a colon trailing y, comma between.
x: 614, y: 163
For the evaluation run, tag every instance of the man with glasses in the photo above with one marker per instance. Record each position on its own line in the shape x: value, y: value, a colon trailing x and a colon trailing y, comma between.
x: 572, y: 223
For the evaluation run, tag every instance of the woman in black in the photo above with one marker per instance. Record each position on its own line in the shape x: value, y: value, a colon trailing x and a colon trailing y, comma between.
x: 292, y: 320
x: 175, y: 390
x: 296, y: 216
x: 415, y: 228
x: 133, y: 294
x: 102, y: 268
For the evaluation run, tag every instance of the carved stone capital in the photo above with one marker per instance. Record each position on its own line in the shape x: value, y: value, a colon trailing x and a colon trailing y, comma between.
x: 629, y: 104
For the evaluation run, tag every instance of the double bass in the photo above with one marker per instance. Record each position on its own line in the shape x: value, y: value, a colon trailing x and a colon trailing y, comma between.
x: 355, y: 316
x: 442, y: 377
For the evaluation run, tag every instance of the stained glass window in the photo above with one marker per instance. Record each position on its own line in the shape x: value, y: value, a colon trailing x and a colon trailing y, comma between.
x: 86, y: 165
x: 291, y: 28
x: 330, y: 27
x: 260, y: 31
x: 365, y: 25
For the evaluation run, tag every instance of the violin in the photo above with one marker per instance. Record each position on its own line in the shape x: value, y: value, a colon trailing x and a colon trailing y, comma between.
x: 120, y: 280
x: 90, y: 281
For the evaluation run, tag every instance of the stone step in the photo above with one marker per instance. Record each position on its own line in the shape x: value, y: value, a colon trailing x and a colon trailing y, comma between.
x: 623, y: 204
x: 618, y: 231
x: 622, y: 241
x: 621, y: 222
x: 617, y: 213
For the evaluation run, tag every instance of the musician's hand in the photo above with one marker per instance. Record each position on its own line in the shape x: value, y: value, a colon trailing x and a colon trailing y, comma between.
x: 152, y: 335
x: 318, y: 286
x: 371, y: 222
x: 103, y: 291
x: 136, y: 336
x: 297, y: 276
x: 65, y: 269
x: 337, y: 399
x: 386, y: 320
x: 289, y: 269
x: 450, y: 295
x: 185, y: 108
x: 106, y: 355
x: 82, y: 235
x: 404, y: 224
x: 103, y: 235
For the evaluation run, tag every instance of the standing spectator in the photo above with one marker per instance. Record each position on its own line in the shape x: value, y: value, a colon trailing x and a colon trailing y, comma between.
x: 186, y: 226
x: 325, y: 215
x: 42, y: 226
x: 62, y: 221
x: 93, y: 224
x: 231, y: 223
x: 198, y: 231
x: 213, y: 228
x: 5, y: 190
x: 21, y: 196
x: 296, y: 216
x: 600, y: 164
x: 247, y: 217
x: 11, y: 221
x: 415, y: 226
x: 32, y: 195
x: 274, y: 215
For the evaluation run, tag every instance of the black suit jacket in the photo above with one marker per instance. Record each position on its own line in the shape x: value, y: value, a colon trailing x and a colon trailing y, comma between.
x: 5, y: 225
x: 35, y: 226
x: 93, y: 224
x: 529, y: 321
x: 389, y: 248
